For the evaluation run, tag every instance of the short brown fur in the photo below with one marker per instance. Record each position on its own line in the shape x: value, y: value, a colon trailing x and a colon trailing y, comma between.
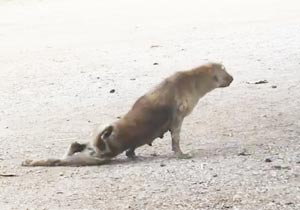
x: 158, y: 111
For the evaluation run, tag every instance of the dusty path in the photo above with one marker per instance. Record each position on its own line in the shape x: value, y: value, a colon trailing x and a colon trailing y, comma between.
x: 59, y: 60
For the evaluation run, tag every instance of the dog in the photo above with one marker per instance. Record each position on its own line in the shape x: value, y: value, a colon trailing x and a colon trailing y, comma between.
x: 160, y: 110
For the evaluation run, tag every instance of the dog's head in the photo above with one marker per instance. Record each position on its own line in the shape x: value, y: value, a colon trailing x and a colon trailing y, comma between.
x: 98, y: 147
x: 220, y: 76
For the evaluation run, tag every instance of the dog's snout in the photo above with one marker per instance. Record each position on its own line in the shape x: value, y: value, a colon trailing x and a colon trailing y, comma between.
x: 227, y: 81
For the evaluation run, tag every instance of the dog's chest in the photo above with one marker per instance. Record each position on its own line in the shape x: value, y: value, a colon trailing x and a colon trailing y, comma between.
x: 187, y: 103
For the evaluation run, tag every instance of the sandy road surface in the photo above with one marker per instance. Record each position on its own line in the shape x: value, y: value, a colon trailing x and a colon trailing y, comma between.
x: 59, y: 60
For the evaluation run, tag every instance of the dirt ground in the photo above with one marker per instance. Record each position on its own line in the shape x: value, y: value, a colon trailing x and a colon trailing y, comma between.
x: 60, y: 59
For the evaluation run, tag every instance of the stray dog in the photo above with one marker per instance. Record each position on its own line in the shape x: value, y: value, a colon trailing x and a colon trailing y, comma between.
x: 158, y: 111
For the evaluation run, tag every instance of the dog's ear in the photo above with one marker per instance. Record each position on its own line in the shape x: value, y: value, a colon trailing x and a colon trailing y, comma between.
x: 106, y: 132
x: 103, y: 136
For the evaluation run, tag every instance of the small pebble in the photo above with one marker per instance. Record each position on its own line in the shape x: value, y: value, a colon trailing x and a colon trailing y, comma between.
x: 281, y: 167
x: 112, y: 91
x: 98, y: 77
x: 162, y: 165
x: 155, y: 46
x: 243, y: 153
x: 274, y: 86
x: 226, y: 206
x: 261, y: 82
x: 155, y: 64
x: 268, y: 160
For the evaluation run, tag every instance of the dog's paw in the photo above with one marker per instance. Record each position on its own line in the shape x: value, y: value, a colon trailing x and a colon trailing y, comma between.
x: 184, y: 156
x: 27, y: 163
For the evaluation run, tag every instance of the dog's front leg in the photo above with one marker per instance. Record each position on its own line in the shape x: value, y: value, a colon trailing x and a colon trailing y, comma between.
x: 46, y: 162
x: 78, y: 159
x: 175, y: 135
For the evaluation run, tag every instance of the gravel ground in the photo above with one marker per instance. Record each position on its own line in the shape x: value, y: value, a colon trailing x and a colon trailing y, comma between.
x: 60, y: 59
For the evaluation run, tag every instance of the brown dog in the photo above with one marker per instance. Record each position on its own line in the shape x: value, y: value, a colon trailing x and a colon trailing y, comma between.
x: 158, y: 111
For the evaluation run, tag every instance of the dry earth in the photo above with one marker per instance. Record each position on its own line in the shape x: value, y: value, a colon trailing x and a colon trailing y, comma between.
x: 59, y: 60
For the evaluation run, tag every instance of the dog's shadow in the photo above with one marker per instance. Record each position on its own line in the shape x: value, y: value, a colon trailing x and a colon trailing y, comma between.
x: 196, y: 154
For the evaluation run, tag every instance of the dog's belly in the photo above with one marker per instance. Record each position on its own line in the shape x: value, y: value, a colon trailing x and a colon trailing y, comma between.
x: 146, y: 130
x: 146, y: 135
x: 148, y: 119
